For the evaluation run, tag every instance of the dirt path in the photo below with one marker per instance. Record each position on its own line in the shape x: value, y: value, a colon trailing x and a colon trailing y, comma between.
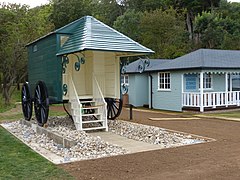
x: 214, y: 160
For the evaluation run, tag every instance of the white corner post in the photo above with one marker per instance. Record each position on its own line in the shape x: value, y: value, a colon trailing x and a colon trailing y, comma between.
x: 226, y: 89
x: 201, y: 92
x: 182, y: 89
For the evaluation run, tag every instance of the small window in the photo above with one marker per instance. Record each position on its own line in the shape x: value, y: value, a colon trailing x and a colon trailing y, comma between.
x: 164, y: 81
x: 124, y: 79
x: 63, y: 39
x: 207, y: 81
x: 35, y: 48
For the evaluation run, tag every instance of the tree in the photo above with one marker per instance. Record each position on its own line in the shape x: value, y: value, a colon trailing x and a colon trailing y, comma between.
x: 19, y: 26
x: 66, y: 11
x: 145, y: 5
x: 129, y: 23
x: 218, y: 30
x: 107, y: 11
x: 165, y: 33
x: 193, y: 8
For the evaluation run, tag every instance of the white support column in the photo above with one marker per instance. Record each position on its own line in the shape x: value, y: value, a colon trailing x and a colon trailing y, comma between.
x: 230, y: 82
x: 201, y: 92
x: 226, y: 89
x: 150, y: 91
x: 182, y: 89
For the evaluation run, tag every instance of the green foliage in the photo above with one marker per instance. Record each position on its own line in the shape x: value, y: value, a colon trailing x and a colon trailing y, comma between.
x: 129, y: 23
x: 66, y: 11
x: 145, y: 5
x: 19, y: 26
x: 20, y: 162
x: 107, y: 11
x: 164, y: 32
x: 218, y: 31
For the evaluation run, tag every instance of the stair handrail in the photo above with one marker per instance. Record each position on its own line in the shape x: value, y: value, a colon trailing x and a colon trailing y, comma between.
x: 74, y: 96
x: 74, y: 89
x: 99, y: 98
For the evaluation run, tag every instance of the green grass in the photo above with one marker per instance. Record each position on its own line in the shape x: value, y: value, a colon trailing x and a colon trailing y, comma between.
x: 18, y: 161
x: 230, y: 114
x: 10, y: 117
x: 16, y: 97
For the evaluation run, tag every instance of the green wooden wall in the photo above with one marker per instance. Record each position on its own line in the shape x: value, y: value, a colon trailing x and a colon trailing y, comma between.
x: 44, y: 65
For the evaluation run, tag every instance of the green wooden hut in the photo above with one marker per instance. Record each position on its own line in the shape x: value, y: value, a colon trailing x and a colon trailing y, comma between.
x: 80, y: 64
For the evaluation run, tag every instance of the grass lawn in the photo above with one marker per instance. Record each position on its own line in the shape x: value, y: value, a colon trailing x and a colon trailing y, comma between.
x: 230, y: 114
x: 18, y: 161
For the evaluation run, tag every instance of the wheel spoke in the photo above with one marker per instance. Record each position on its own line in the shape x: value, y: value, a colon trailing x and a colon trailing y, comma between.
x: 43, y: 115
x: 117, y: 107
x: 41, y: 103
x: 26, y: 101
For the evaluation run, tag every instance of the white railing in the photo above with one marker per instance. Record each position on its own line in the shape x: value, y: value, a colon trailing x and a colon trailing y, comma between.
x: 211, y: 99
x: 75, y: 104
x: 100, y: 101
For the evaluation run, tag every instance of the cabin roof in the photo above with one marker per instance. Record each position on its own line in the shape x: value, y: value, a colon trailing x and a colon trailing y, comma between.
x: 88, y: 33
x: 199, y: 59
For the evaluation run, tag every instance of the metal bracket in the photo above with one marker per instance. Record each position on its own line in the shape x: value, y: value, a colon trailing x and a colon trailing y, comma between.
x: 80, y: 60
x: 143, y: 64
x: 65, y: 61
x: 65, y: 89
x: 77, y: 65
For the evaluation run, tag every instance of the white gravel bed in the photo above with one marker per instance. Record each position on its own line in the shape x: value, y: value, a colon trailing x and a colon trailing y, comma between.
x: 87, y: 146
x: 152, y: 134
x: 91, y: 147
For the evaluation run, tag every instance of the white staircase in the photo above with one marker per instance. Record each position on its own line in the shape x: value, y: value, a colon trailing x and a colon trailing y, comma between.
x: 88, y: 114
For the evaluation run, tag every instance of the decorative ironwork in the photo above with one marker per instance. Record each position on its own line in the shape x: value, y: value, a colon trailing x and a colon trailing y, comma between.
x: 77, y: 65
x: 65, y: 61
x: 143, y: 64
x: 65, y: 89
x: 124, y: 89
x: 80, y: 60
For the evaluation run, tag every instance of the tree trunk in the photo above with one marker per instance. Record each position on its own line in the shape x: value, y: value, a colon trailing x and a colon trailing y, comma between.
x: 6, y: 94
x: 189, y: 25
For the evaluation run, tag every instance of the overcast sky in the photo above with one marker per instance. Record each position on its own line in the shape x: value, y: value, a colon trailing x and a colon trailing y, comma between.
x: 33, y: 3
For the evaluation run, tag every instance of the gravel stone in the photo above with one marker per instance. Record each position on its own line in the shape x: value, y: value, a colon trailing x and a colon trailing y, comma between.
x: 91, y: 147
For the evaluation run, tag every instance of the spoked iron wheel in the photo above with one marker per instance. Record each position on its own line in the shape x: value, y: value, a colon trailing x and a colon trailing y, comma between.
x: 114, y: 107
x: 26, y: 101
x: 41, y: 103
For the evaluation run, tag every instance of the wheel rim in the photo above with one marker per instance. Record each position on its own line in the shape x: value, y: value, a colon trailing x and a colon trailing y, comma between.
x: 114, y: 107
x: 41, y: 103
x: 26, y: 102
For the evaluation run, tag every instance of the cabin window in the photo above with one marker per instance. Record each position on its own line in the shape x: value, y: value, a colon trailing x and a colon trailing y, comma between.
x: 191, y: 81
x: 124, y: 79
x: 63, y: 39
x: 164, y: 81
x: 207, y: 81
x: 35, y: 48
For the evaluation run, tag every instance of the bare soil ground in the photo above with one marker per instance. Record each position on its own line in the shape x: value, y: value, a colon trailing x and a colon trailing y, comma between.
x: 214, y: 160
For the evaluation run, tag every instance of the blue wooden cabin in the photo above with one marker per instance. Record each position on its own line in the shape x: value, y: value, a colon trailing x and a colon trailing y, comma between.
x: 205, y: 79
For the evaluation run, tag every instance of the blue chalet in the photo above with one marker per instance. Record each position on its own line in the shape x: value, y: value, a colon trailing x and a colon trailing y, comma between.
x: 201, y: 80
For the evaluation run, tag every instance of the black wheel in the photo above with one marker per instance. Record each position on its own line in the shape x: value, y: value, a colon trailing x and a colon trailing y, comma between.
x: 26, y: 101
x: 41, y: 103
x: 114, y: 107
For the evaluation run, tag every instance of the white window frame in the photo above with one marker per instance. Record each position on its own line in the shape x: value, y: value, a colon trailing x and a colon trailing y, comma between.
x: 205, y: 82
x: 35, y: 48
x: 125, y: 76
x: 166, y: 85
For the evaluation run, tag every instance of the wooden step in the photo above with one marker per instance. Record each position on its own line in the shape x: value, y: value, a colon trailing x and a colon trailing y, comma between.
x: 83, y: 102
x: 92, y: 121
x: 96, y: 114
x: 93, y: 107
x: 93, y: 128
